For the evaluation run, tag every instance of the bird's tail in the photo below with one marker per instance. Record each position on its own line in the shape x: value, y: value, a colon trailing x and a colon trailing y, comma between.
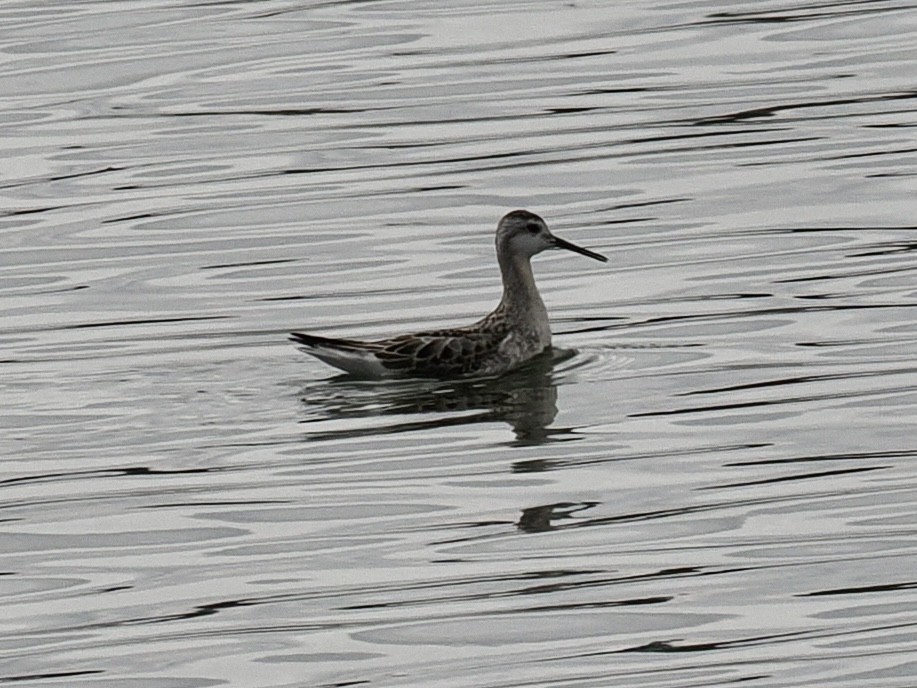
x: 311, y: 341
x: 349, y: 355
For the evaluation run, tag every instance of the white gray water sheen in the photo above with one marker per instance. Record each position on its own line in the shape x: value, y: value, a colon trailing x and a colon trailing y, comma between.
x: 712, y: 483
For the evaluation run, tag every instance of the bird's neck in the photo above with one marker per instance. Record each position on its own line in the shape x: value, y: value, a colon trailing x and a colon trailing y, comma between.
x: 520, y: 295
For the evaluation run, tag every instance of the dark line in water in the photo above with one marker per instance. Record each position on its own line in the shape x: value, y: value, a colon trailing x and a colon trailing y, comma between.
x: 716, y: 133
x: 289, y: 112
x: 105, y: 473
x: 642, y: 204
x: 890, y: 175
x: 891, y: 248
x: 770, y: 639
x: 570, y: 110
x: 434, y: 187
x: 487, y: 59
x: 144, y: 321
x: 772, y: 110
x: 905, y: 453
x: 127, y: 218
x: 49, y: 675
x: 847, y: 275
x: 886, y: 587
x: 406, y: 163
x: 840, y: 228
x: 658, y: 599
x: 90, y: 173
x: 423, y: 602
x: 795, y: 310
x: 338, y: 294
x: 216, y: 502
x: 146, y: 470
x: 804, y: 13
x: 869, y: 154
x: 247, y: 264
x: 739, y: 405
x: 30, y: 211
x: 800, y: 379
x: 788, y: 478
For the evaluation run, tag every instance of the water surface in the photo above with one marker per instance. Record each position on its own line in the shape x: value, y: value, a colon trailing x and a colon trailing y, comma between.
x: 717, y: 486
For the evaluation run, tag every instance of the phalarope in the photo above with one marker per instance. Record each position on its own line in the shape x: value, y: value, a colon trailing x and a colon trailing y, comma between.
x: 516, y: 331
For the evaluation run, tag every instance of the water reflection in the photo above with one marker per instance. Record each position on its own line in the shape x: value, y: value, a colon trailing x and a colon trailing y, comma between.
x: 525, y: 399
x: 538, y: 519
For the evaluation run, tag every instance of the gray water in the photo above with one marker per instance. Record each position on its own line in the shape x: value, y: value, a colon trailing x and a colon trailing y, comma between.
x: 714, y: 484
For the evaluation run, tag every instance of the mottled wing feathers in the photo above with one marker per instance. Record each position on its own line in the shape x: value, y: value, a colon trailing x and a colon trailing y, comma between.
x: 440, y: 353
x: 436, y: 353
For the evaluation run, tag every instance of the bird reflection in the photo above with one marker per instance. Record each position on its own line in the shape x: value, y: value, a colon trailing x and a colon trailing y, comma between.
x: 539, y: 519
x: 525, y: 399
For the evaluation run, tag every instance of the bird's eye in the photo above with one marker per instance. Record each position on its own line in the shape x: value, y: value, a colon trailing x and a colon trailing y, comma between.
x: 533, y: 227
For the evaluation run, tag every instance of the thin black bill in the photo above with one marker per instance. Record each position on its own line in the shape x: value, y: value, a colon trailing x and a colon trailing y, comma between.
x: 560, y: 243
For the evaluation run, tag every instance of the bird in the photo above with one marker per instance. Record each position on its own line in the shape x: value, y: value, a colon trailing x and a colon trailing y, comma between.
x: 515, y: 332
